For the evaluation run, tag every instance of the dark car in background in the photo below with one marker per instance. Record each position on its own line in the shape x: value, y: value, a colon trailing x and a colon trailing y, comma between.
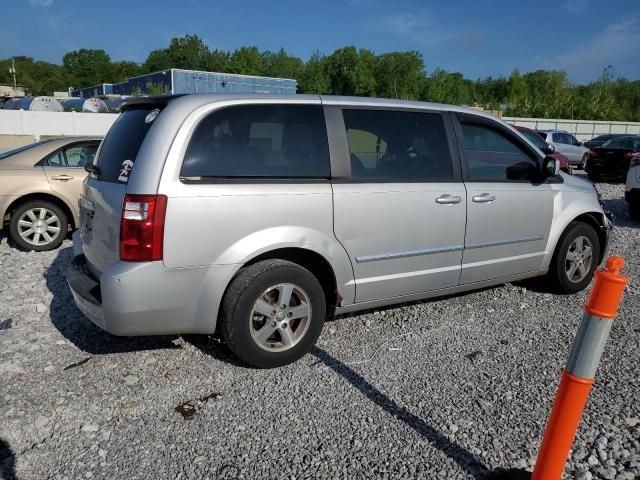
x: 600, y: 139
x: 612, y: 158
x: 544, y: 147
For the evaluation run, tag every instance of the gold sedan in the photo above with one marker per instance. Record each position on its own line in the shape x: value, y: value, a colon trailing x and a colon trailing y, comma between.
x: 40, y: 185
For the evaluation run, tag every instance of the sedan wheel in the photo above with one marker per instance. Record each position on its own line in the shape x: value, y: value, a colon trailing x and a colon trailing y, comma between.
x: 583, y: 163
x: 579, y: 259
x: 39, y: 227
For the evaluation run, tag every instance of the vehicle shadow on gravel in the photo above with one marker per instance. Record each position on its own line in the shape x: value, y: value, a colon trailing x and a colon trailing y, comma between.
x: 620, y: 209
x: 7, y: 461
x: 79, y: 330
x: 465, y: 459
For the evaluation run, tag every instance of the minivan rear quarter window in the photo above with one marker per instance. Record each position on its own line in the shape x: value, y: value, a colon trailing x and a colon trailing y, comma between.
x: 122, y: 144
x: 259, y: 141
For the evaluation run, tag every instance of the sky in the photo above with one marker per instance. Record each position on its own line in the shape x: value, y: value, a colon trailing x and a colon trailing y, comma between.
x: 478, y: 38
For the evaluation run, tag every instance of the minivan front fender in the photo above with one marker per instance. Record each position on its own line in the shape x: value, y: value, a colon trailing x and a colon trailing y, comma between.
x: 570, y: 206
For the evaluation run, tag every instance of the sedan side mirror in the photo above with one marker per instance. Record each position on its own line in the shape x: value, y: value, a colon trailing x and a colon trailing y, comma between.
x: 550, y: 167
x: 549, y: 149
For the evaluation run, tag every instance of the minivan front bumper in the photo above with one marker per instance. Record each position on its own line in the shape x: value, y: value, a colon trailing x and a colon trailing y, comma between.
x: 149, y: 299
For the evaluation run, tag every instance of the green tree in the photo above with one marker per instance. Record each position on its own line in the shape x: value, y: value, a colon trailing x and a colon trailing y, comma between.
x: 87, y: 67
x: 398, y: 75
x: 122, y: 70
x: 157, y: 60
x: 352, y: 71
x: 315, y: 75
x: 281, y: 64
x: 247, y: 61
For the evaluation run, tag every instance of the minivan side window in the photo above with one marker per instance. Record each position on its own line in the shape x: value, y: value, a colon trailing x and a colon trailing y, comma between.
x: 491, y: 156
x: 402, y: 145
x: 277, y: 141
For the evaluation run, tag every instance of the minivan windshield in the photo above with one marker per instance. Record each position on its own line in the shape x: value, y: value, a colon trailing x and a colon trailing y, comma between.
x: 119, y: 148
x: 24, y: 148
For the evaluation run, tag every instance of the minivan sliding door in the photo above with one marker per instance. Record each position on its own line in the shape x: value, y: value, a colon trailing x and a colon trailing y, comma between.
x: 400, y: 210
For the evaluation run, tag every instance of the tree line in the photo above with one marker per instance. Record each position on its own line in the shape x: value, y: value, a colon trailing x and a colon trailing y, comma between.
x: 352, y: 71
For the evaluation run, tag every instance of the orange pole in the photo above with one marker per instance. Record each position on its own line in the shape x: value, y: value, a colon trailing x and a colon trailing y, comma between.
x: 574, y: 389
x: 562, y: 426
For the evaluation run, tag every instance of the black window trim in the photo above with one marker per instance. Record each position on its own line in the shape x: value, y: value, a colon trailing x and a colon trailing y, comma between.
x: 44, y: 162
x: 253, y: 180
x: 458, y: 118
x: 338, y: 140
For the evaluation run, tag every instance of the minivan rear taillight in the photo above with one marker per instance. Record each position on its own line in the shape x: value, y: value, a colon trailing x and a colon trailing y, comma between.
x: 142, y: 227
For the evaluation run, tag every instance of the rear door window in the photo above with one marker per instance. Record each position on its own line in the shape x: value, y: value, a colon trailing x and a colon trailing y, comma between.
x: 397, y: 145
x: 56, y: 159
x: 259, y: 141
x: 78, y: 155
x: 120, y: 147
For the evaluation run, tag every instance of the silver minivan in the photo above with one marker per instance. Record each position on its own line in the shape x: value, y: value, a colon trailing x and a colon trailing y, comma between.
x: 260, y: 216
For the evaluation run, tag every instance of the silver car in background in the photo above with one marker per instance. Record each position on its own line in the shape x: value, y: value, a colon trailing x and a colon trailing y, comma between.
x: 568, y: 145
x: 263, y: 215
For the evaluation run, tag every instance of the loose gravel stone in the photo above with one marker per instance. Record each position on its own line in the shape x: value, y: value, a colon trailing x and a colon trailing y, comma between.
x: 442, y: 389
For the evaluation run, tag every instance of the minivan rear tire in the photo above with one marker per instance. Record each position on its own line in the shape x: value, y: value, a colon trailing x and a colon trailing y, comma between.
x: 238, y: 318
x: 62, y: 223
x: 558, y: 269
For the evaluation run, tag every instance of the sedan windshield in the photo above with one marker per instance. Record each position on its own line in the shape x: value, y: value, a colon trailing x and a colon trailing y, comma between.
x: 22, y: 149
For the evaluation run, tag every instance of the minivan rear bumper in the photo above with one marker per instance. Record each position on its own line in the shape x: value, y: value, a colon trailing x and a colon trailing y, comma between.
x: 149, y: 299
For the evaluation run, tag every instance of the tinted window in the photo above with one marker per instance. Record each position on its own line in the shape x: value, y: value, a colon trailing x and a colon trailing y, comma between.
x: 573, y: 140
x: 491, y: 156
x: 120, y: 147
x: 534, y: 138
x: 626, y: 143
x: 260, y: 141
x: 78, y: 155
x: 401, y: 145
x: 559, y: 138
x: 56, y: 160
x: 543, y: 135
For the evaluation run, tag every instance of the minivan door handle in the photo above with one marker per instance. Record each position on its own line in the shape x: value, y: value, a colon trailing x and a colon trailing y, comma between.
x: 447, y: 199
x: 63, y: 178
x: 483, y: 198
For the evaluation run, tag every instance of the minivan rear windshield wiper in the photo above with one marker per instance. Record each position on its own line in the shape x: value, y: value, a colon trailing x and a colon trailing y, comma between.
x: 91, y: 168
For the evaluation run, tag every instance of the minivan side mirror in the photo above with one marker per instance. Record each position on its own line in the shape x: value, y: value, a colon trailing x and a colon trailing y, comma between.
x: 550, y: 167
x: 549, y: 149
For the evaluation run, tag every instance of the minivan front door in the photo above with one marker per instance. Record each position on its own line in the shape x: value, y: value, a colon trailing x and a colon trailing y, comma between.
x: 508, y: 214
x: 401, y: 212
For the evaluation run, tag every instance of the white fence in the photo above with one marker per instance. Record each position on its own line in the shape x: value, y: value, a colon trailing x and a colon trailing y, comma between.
x: 26, y: 122
x: 582, y: 129
x: 37, y: 124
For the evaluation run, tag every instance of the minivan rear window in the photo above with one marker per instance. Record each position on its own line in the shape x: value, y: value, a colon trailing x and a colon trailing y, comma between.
x: 119, y: 148
x: 259, y: 141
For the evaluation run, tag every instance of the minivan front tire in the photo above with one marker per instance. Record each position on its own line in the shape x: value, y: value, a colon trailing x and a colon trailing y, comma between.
x: 576, y: 257
x: 272, y: 313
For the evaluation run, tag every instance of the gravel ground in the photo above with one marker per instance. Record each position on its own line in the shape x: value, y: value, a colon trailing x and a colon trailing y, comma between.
x: 442, y: 389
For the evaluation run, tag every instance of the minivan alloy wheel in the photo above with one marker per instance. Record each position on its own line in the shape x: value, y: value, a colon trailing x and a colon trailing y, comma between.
x: 280, y: 317
x: 39, y: 226
x: 579, y: 258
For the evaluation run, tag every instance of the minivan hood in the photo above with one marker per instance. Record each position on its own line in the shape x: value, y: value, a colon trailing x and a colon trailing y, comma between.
x: 577, y: 183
